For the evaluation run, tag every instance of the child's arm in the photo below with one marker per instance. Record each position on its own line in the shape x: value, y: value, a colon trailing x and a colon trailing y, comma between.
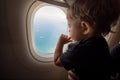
x: 59, y: 48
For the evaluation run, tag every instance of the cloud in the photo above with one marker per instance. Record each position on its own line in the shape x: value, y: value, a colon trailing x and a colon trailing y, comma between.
x: 50, y: 12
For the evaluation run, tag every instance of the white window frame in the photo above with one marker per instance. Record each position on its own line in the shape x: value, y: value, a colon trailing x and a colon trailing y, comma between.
x: 34, y: 7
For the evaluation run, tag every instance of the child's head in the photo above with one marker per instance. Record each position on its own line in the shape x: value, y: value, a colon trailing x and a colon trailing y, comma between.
x: 92, y: 16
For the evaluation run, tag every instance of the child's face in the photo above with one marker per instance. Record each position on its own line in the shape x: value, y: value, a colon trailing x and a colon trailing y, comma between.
x: 75, y: 30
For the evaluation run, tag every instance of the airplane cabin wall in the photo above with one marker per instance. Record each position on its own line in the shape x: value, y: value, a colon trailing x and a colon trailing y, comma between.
x: 15, y: 59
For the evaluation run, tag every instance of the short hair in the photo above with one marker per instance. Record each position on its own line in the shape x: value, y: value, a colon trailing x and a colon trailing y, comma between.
x: 101, y: 14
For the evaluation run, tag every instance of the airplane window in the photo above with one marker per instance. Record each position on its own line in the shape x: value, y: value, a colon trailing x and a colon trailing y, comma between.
x: 48, y: 23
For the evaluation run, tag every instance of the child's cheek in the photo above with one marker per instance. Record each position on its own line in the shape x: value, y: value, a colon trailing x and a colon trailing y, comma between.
x: 71, y: 34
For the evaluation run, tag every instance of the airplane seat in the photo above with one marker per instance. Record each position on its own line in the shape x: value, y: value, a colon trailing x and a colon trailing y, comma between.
x: 115, y: 57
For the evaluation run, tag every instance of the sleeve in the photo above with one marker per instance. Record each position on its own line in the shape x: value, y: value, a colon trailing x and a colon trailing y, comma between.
x: 67, y: 61
x: 70, y: 57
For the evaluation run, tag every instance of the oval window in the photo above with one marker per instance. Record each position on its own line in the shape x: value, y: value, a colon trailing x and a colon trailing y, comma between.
x: 49, y: 22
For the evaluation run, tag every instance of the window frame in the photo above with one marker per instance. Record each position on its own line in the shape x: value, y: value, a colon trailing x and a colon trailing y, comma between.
x: 30, y: 15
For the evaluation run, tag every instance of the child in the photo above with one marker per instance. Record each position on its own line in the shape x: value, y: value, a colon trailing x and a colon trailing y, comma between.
x: 88, y: 56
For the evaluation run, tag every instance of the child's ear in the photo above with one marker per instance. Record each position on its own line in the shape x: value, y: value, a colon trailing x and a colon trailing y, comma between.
x: 86, y: 27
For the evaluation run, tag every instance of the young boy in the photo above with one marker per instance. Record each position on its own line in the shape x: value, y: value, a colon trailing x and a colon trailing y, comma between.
x: 88, y: 56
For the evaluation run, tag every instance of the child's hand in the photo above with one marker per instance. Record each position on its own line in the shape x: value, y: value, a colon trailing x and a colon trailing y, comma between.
x: 64, y: 39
